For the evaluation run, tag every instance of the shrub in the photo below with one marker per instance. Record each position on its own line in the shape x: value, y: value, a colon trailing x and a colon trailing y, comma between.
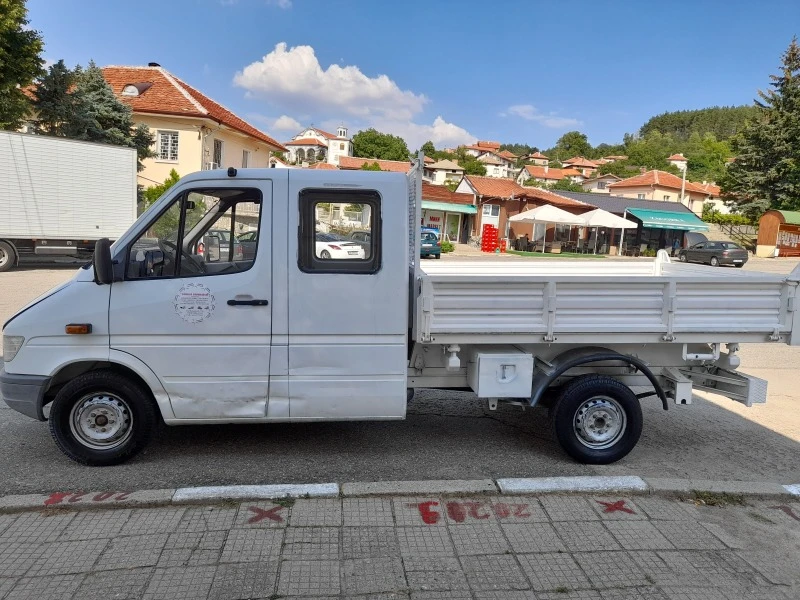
x: 447, y: 246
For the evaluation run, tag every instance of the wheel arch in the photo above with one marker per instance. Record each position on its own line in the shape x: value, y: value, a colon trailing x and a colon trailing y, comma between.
x: 576, y: 357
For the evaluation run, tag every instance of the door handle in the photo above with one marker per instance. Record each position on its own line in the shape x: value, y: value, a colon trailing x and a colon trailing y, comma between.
x: 248, y: 302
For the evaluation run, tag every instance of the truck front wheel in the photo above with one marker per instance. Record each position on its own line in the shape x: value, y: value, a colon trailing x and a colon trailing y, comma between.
x: 102, y: 418
x: 597, y: 419
x: 7, y: 256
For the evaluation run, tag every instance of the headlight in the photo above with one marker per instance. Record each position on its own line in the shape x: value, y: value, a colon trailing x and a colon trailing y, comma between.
x: 11, y: 345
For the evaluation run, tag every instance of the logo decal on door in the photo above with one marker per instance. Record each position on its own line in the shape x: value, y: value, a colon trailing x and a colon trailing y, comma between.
x: 194, y: 303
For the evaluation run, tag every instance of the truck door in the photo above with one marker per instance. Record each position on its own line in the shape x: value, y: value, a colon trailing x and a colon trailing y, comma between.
x: 194, y: 308
x: 348, y: 300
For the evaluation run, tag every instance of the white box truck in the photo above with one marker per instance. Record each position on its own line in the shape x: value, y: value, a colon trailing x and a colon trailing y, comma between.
x: 59, y: 196
x: 171, y: 324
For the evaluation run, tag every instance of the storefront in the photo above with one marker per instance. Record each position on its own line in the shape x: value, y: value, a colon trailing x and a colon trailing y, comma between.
x: 779, y: 233
x: 455, y: 220
x: 660, y: 229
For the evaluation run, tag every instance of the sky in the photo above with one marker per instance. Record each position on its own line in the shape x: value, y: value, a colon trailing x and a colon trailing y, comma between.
x: 446, y: 70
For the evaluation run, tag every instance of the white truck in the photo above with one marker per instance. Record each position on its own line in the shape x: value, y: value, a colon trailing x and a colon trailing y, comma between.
x: 153, y: 329
x: 59, y: 196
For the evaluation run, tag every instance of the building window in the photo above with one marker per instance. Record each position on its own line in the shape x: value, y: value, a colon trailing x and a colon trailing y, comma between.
x: 168, y: 145
x: 218, y: 153
x: 492, y: 210
x: 496, y: 171
x: 640, y: 196
x: 245, y: 159
x: 666, y: 197
x: 601, y: 185
x: 341, y: 146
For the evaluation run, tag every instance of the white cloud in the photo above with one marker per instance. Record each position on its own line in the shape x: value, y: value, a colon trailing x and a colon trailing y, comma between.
x: 441, y: 133
x: 293, y: 78
x: 284, y: 4
x: 530, y: 113
x: 287, y: 123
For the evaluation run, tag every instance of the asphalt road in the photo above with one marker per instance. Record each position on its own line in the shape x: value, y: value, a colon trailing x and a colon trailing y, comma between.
x: 446, y: 436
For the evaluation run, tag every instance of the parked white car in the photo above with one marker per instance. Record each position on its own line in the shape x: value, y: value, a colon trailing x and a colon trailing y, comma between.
x: 330, y: 245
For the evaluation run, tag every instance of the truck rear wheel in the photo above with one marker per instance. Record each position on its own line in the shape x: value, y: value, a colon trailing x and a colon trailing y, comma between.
x: 597, y: 420
x: 7, y: 256
x: 102, y: 418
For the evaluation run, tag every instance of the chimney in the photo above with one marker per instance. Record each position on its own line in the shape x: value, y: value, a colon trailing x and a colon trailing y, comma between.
x: 546, y: 167
x: 153, y: 64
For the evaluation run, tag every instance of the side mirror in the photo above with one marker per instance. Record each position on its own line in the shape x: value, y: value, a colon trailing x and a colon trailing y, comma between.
x: 212, y: 248
x: 103, y: 269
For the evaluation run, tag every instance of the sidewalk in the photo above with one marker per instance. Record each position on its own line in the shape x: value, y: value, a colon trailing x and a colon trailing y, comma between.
x: 548, y: 547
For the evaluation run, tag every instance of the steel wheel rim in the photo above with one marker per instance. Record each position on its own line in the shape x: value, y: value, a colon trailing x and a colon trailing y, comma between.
x: 600, y: 422
x: 714, y: 261
x: 101, y: 421
x: 3, y: 257
x: 683, y: 258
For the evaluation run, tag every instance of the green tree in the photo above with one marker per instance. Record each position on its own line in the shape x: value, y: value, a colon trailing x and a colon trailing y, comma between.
x: 371, y: 143
x: 429, y: 149
x: 652, y: 151
x: 470, y: 164
x: 567, y: 186
x: 154, y: 192
x: 621, y: 168
x: 451, y: 185
x: 572, y: 143
x: 54, y: 104
x: 531, y: 182
x: 707, y: 157
x: 370, y: 167
x: 721, y: 121
x: 766, y: 172
x: 20, y: 62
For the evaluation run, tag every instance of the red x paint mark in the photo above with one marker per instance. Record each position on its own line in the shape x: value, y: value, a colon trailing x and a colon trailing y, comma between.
x: 788, y: 510
x: 260, y: 514
x: 618, y: 506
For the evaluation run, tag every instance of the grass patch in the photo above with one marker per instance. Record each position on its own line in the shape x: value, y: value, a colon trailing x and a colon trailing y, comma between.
x: 718, y: 499
x: 285, y: 502
x: 562, y: 589
x: 549, y: 255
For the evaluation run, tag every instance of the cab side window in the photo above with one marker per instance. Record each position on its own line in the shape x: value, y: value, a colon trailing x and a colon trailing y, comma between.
x: 198, y: 235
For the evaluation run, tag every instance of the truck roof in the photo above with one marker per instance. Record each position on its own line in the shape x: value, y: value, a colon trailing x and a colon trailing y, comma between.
x: 345, y: 177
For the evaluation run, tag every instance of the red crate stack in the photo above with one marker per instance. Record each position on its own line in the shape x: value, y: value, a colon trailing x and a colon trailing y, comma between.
x: 489, y: 240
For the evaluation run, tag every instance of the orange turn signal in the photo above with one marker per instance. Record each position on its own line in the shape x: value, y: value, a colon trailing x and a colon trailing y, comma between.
x: 78, y: 328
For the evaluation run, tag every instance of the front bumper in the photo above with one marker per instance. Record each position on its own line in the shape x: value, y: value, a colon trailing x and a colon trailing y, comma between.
x: 24, y: 393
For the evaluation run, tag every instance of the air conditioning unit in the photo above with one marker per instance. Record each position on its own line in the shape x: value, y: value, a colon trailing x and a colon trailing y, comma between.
x: 210, y: 165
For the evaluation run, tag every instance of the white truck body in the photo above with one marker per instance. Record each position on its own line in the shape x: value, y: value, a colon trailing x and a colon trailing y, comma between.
x: 59, y: 196
x: 290, y: 336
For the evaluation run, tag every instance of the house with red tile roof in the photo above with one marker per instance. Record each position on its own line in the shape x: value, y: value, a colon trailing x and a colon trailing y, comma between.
x: 660, y: 185
x: 192, y: 131
x: 314, y: 145
x: 498, y: 165
x: 354, y: 163
x: 679, y: 160
x: 538, y: 159
x: 584, y: 165
x: 450, y: 212
x: 548, y: 175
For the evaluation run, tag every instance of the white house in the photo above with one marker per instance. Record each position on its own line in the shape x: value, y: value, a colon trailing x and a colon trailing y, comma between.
x: 480, y: 148
x: 442, y: 171
x: 315, y: 145
x: 679, y: 160
x: 599, y: 184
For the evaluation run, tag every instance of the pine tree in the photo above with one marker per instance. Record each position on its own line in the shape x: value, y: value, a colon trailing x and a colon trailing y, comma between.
x: 766, y: 172
x: 54, y: 104
x: 20, y: 62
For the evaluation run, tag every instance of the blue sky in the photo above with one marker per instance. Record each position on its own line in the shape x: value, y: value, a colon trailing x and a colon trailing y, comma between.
x: 452, y: 71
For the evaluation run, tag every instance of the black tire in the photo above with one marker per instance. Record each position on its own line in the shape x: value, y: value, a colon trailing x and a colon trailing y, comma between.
x: 682, y: 258
x: 8, y: 257
x: 409, y: 394
x: 714, y: 261
x: 325, y: 254
x: 602, y: 397
x: 437, y: 256
x: 112, y: 395
x: 739, y: 265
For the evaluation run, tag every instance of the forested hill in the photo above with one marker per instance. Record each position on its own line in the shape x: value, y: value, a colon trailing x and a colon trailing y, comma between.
x: 722, y: 121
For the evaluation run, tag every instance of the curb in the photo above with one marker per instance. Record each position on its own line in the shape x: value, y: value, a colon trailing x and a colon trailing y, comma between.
x: 540, y: 485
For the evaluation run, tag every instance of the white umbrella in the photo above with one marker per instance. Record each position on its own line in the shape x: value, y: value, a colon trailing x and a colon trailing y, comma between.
x: 602, y: 218
x: 547, y: 213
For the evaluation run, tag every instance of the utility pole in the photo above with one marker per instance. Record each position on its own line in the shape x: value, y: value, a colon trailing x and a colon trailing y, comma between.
x: 683, y: 181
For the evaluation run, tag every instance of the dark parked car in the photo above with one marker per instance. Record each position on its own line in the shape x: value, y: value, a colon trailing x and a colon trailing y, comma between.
x: 715, y: 254
x: 362, y: 238
x: 248, y: 242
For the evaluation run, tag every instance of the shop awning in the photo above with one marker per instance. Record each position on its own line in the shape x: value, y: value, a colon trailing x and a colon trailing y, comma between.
x: 662, y: 219
x: 467, y: 209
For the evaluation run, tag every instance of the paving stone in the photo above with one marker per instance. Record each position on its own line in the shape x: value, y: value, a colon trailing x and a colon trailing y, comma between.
x: 518, y: 509
x: 638, y: 535
x: 206, y: 518
x: 95, y: 524
x: 586, y: 537
x: 6, y: 583
x: 367, y: 542
x: 454, y: 595
x: 16, y: 558
x: 480, y: 538
x: 435, y: 573
x: 533, y: 537
x: 133, y: 551
x: 615, y: 508
x: 488, y: 573
x: 252, y: 545
x: 506, y: 595
x: 372, y: 575
x: 637, y: 593
x: 688, y: 536
x: 424, y: 541
x: 233, y: 582
x: 262, y: 515
x: 320, y: 512
x: 570, y: 595
x: 776, y: 570
x: 311, y: 543
x: 192, y: 549
x: 309, y: 578
x: 671, y: 568
x: 666, y: 509
x: 179, y: 583
x: 127, y: 584
x: 31, y: 528
x: 367, y: 512
x: 408, y: 512
x: 62, y: 558
x: 725, y: 567
x: 551, y: 571
x: 695, y: 593
x: 469, y: 511
x: 611, y: 569
x: 568, y: 508
x: 388, y: 596
x: 144, y: 521
x: 5, y: 522
x: 54, y: 587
